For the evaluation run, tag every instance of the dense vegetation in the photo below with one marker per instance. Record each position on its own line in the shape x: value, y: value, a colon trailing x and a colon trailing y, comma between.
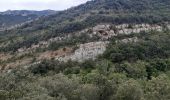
x: 15, y: 17
x: 10, y: 20
x: 28, y: 12
x: 126, y: 71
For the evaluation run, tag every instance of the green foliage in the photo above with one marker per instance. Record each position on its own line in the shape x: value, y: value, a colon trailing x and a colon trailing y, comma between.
x: 130, y: 90
x: 134, y: 70
x: 126, y: 71
x: 158, y: 88
x: 96, y: 12
x: 10, y: 20
x: 154, y: 46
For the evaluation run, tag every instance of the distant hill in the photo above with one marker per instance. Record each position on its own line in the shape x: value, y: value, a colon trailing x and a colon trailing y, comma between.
x: 14, y: 17
x: 28, y: 12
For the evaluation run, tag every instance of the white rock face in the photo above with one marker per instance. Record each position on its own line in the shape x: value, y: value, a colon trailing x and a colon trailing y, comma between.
x: 128, y: 40
x: 106, y: 31
x: 86, y: 51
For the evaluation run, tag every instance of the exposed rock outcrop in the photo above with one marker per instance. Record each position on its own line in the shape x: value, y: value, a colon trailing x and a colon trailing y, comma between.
x: 127, y: 40
x: 86, y: 51
x: 107, y: 31
x: 92, y: 49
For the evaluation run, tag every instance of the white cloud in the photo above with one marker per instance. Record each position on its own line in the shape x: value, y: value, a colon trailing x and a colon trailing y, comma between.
x: 38, y: 4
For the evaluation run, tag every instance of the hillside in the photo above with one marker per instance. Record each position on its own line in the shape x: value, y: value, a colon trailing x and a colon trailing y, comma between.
x: 100, y: 50
x: 28, y: 12
x: 91, y: 14
x: 15, y: 17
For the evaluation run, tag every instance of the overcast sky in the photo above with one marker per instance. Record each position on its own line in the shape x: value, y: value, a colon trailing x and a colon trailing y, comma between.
x: 38, y: 4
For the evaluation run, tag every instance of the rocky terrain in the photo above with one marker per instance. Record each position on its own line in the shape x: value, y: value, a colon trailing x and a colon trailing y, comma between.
x: 88, y: 50
x: 100, y: 50
x: 85, y: 51
x: 103, y: 31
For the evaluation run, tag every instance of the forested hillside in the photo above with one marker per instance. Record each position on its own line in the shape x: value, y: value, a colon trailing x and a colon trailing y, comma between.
x: 90, y: 14
x: 16, y: 17
x: 28, y: 12
x: 101, y: 50
x: 126, y: 71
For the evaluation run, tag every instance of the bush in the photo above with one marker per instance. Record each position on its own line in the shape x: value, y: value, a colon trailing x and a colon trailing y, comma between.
x: 133, y: 70
x: 158, y: 88
x: 130, y: 90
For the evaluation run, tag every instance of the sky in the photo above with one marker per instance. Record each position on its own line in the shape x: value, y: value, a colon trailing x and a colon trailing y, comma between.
x: 38, y: 4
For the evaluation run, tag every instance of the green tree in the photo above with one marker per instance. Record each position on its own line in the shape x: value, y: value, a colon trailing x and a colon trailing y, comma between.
x: 158, y: 88
x: 129, y: 90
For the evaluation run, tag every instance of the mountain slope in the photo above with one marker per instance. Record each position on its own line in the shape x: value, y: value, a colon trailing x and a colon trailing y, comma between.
x: 15, y: 17
x: 28, y: 12
x: 86, y: 15
x: 101, y: 50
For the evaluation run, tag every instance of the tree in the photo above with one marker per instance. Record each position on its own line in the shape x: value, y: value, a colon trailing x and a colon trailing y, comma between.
x: 130, y: 90
x: 158, y: 88
x: 134, y: 70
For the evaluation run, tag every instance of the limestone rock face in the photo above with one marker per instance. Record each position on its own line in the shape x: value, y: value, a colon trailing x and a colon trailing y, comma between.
x: 104, y: 32
x: 128, y: 40
x: 86, y: 51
